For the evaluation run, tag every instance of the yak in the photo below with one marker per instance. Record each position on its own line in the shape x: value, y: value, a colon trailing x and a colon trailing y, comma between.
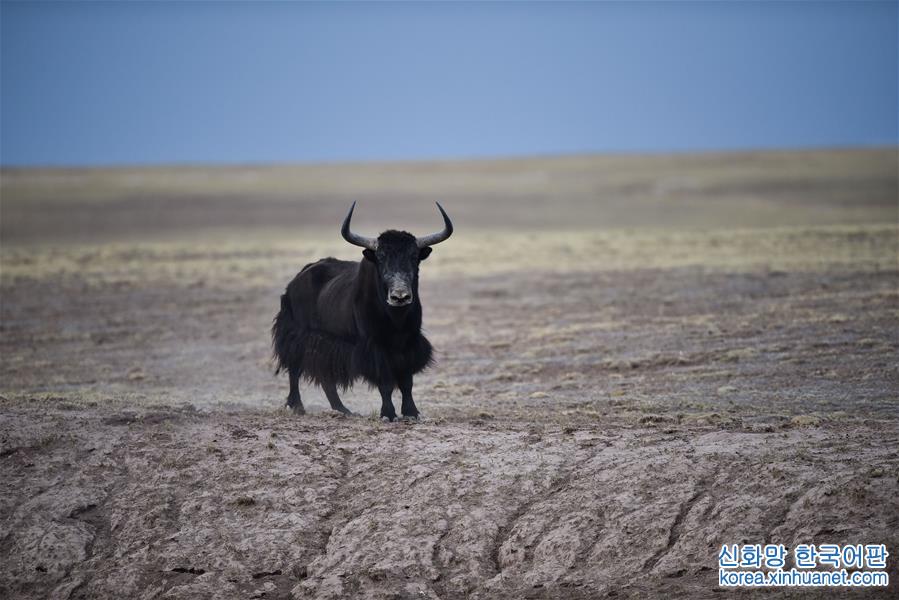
x: 344, y: 320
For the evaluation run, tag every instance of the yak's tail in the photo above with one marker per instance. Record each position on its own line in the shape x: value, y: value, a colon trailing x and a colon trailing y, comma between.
x: 287, y: 344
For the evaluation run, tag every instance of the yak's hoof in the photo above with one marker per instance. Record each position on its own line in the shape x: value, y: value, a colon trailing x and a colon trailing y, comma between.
x: 297, y: 410
x: 411, y: 418
x: 388, y: 419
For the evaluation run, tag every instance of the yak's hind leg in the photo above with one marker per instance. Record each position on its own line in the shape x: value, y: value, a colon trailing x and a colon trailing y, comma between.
x: 293, y: 398
x: 330, y: 390
x: 289, y: 345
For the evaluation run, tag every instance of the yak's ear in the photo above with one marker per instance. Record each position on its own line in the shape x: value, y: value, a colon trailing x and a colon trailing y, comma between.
x: 370, y: 255
x: 424, y: 253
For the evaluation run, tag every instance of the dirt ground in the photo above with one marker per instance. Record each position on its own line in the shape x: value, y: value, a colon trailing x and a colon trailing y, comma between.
x: 639, y: 360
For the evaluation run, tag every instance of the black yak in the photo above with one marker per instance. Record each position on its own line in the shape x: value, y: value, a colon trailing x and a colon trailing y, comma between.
x: 342, y: 320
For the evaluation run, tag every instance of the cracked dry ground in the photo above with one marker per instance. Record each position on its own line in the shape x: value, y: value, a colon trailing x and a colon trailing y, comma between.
x: 179, y: 504
x: 601, y: 442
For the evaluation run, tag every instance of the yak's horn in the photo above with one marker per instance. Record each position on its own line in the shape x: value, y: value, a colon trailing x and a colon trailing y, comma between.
x: 436, y: 238
x: 355, y: 239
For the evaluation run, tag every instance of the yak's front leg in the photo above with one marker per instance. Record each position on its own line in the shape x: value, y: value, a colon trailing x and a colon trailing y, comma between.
x: 387, y: 409
x: 408, y: 409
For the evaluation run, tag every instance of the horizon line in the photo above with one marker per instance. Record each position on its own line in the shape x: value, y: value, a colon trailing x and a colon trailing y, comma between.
x: 191, y: 164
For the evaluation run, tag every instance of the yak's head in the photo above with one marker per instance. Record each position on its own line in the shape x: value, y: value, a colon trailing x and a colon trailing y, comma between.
x: 396, y: 254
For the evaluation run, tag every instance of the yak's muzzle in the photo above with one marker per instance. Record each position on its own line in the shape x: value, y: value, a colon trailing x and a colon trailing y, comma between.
x: 399, y: 292
x: 399, y: 297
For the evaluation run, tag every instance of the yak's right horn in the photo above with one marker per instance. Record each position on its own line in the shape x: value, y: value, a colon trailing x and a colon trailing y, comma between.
x: 355, y: 239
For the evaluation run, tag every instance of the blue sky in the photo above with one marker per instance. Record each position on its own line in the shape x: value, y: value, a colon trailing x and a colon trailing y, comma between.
x: 136, y: 83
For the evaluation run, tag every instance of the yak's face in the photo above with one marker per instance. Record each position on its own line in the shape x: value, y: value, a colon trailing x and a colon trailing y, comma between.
x: 396, y: 255
x: 397, y: 258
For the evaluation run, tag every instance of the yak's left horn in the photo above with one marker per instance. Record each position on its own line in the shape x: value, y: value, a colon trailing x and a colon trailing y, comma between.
x: 355, y: 239
x: 436, y: 238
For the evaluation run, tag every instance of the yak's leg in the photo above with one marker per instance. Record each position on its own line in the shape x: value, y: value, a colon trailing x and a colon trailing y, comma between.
x: 293, y: 398
x: 330, y: 390
x: 408, y: 409
x: 387, y: 410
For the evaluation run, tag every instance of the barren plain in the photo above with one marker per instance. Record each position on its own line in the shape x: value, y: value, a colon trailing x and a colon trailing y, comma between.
x: 640, y: 359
